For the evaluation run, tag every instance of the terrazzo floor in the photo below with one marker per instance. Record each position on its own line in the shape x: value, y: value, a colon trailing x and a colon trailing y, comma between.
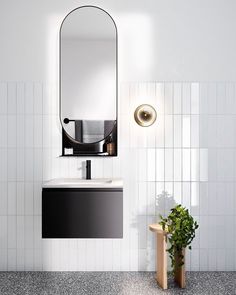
x: 112, y: 283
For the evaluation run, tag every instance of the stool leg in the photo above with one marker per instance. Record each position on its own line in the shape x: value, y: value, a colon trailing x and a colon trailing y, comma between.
x: 180, y: 272
x: 161, y: 261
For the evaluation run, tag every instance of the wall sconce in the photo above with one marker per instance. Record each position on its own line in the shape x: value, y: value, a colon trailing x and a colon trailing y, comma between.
x: 145, y: 115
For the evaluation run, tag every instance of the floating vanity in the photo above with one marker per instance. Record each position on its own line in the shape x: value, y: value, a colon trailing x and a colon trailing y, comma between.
x: 81, y: 208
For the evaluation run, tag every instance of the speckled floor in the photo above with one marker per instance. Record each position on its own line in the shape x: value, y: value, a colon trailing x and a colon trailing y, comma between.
x: 112, y: 283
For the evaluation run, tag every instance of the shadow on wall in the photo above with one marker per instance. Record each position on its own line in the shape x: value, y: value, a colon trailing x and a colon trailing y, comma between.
x: 164, y: 202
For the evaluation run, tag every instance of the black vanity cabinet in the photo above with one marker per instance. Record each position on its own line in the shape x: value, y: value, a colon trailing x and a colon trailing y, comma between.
x: 82, y: 213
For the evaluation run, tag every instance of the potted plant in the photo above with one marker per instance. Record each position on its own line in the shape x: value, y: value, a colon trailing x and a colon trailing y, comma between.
x: 180, y: 228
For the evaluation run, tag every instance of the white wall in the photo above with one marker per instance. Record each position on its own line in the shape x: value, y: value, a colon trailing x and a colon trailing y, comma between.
x: 188, y: 156
x: 189, y: 153
x: 158, y: 40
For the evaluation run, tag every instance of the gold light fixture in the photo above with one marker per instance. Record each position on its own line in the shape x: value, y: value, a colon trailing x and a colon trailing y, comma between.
x: 145, y: 115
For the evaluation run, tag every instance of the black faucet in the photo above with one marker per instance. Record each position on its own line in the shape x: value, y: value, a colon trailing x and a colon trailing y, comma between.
x: 88, y: 169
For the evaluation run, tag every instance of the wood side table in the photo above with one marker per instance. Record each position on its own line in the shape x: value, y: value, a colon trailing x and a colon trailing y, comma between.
x: 161, y: 256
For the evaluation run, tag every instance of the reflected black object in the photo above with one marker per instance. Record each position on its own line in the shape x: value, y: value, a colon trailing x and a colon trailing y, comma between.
x: 67, y: 120
x: 90, y: 149
x: 88, y: 169
x: 82, y: 213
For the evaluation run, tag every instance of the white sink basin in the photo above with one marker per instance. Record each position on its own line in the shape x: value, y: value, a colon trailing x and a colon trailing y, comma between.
x: 83, y: 183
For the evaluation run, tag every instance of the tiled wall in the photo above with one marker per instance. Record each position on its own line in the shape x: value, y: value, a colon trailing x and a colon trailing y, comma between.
x: 187, y: 157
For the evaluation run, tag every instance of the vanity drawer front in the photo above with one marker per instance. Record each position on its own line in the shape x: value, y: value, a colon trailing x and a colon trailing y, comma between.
x: 82, y: 213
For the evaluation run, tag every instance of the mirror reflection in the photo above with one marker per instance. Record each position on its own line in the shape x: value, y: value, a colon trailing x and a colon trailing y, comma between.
x: 88, y: 74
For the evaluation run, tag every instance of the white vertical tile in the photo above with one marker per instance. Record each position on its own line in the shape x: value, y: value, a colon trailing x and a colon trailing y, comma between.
x: 168, y: 131
x: 20, y: 231
x: 3, y: 260
x: 20, y: 259
x: 20, y: 97
x: 29, y: 230
x: 220, y: 260
x: 11, y: 259
x: 11, y: 226
x: 212, y: 164
x: 11, y: 198
x: 11, y: 165
x: 20, y: 164
x: 142, y: 226
x: 195, y: 258
x: 195, y: 167
x: 11, y: 98
x: 37, y: 232
x: 212, y: 99
x: 108, y: 254
x: 203, y: 164
x: 177, y: 165
x: 38, y: 131
x: 204, y: 99
x: 20, y: 131
x: 142, y: 198
x: 3, y: 233
x: 186, y: 128
x: 151, y: 198
x: 38, y: 98
x: 3, y: 198
x: 37, y: 198
x: 142, y: 164
x: 169, y: 201
x: 151, y: 164
x: 38, y: 260
x: 168, y: 164
x: 186, y: 98
x: 11, y: 131
x: 221, y: 98
x: 195, y: 98
x: 160, y: 165
x: 29, y: 197
x: 195, y: 198
x: 3, y: 166
x: 186, y: 195
x: 160, y: 199
x: 160, y: 100
x: 168, y: 89
x: 151, y: 135
x: 29, y: 98
x: 195, y: 132
x: 186, y: 164
x: 3, y: 98
x: 29, y: 164
x: 177, y: 131
x: 29, y: 131
x: 29, y: 259
x: 203, y: 259
x: 20, y: 198
x: 177, y: 193
x: 203, y: 198
x: 177, y: 98
x: 38, y: 165
x: 160, y: 131
x: 3, y: 131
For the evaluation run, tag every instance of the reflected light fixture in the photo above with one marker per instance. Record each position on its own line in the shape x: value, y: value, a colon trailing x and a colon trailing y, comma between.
x: 145, y: 115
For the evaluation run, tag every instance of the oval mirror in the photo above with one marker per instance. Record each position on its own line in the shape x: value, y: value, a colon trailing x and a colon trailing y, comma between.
x: 88, y: 74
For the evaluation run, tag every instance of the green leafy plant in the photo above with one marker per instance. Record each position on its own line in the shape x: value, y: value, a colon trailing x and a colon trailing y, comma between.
x: 180, y: 227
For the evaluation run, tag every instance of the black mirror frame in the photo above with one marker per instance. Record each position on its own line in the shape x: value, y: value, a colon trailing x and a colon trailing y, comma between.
x: 89, y: 149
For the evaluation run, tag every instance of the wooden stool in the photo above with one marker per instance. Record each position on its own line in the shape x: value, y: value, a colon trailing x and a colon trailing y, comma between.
x: 161, y: 265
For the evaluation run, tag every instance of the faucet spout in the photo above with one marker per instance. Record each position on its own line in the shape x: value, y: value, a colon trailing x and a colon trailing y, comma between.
x: 88, y: 169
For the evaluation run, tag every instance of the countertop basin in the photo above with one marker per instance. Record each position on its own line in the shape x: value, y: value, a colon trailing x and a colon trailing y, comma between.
x: 83, y: 183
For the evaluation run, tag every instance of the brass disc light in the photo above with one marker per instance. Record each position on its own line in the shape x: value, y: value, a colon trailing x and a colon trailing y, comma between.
x: 145, y: 115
